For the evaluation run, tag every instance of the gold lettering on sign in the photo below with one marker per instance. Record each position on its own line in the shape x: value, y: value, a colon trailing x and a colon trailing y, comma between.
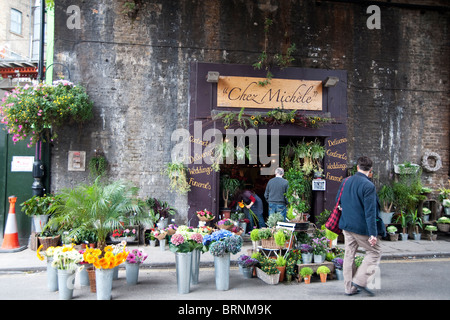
x: 197, y: 184
x: 200, y: 170
x: 245, y: 92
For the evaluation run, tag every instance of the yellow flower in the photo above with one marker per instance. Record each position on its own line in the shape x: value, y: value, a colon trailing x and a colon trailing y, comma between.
x: 38, y: 253
x: 241, y: 204
x: 252, y: 117
x: 108, y: 249
x: 255, y: 122
x: 313, y: 121
x: 292, y: 120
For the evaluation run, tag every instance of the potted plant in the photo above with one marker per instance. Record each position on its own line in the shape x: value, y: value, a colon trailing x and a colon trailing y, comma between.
x: 386, y: 196
x: 431, y: 229
x: 268, y: 271
x: 306, y: 251
x: 323, y: 272
x: 99, y: 206
x: 38, y: 208
x: 446, y: 205
x: 295, y: 194
x: 177, y: 174
x: 66, y: 260
x: 405, y: 220
x: 255, y: 237
x: 443, y: 224
x: 281, y: 266
x: 338, y: 265
x: 392, y: 233
x: 151, y: 238
x: 228, y: 186
x: 306, y: 273
x: 426, y: 214
x: 161, y: 212
x: 417, y: 224
x: 134, y: 259
x: 31, y: 111
x: 319, y: 249
x: 406, y: 168
x: 273, y: 219
x: 246, y: 265
x: 290, y: 268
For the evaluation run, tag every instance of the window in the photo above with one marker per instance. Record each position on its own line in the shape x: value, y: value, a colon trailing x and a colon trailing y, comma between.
x: 16, y: 21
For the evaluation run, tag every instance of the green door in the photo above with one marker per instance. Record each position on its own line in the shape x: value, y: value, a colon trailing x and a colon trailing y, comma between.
x: 16, y: 179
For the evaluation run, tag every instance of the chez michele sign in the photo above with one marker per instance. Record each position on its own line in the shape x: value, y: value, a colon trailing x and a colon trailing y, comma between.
x: 239, y: 92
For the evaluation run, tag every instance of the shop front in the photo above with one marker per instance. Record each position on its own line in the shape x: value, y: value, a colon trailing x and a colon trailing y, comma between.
x: 262, y: 118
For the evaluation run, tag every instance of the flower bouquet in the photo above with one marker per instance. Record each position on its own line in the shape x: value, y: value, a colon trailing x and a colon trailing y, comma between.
x: 130, y: 235
x: 222, y: 242
x: 111, y: 257
x: 204, y: 215
x: 66, y: 258
x: 171, y: 229
x: 186, y: 239
x: 117, y: 235
x: 159, y: 234
x: 225, y: 224
x: 136, y: 256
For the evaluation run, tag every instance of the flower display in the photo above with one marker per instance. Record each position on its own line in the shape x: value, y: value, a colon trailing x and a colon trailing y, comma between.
x: 129, y: 233
x: 204, y: 215
x: 111, y: 257
x: 186, y: 239
x: 136, y: 256
x: 47, y: 253
x: 305, y: 248
x: 28, y: 111
x: 117, y: 233
x: 338, y: 263
x: 247, y: 262
x: 38, y: 205
x: 66, y: 258
x: 319, y: 245
x: 222, y: 242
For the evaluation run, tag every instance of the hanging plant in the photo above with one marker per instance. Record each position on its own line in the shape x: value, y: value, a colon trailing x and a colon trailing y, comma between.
x: 98, y: 166
x: 177, y: 174
x: 29, y: 112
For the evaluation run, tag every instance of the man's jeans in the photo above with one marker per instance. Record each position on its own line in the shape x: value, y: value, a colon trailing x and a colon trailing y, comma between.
x: 276, y: 207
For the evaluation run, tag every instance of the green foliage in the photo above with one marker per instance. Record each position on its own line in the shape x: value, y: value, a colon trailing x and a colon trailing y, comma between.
x: 228, y: 186
x: 30, y: 111
x: 269, y: 266
x: 97, y: 166
x: 306, y: 271
x: 254, y: 235
x: 323, y: 269
x: 391, y: 229
x: 280, y: 261
x: 177, y: 174
x: 273, y: 219
x: 296, y: 190
x: 38, y: 205
x: 265, y: 233
x: 279, y: 238
x: 386, y: 196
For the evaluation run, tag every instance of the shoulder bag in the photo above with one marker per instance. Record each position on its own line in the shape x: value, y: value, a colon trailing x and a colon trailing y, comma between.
x: 332, y: 223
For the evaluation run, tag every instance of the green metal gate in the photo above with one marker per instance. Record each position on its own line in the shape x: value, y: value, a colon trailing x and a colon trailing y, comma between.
x: 16, y: 179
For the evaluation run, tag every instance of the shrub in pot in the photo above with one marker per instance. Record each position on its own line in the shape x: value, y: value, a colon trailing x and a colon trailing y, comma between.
x: 323, y: 272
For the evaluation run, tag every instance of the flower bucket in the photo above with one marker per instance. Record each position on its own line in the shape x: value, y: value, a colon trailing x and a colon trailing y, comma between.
x: 132, y: 273
x: 66, y: 283
x: 84, y: 276
x: 103, y: 283
x: 162, y: 245
x: 52, y: 276
x: 339, y: 274
x: 195, y: 270
x: 222, y: 272
x: 39, y: 221
x: 319, y: 258
x: 307, y: 258
x: 247, y: 272
x: 116, y: 273
x: 183, y: 266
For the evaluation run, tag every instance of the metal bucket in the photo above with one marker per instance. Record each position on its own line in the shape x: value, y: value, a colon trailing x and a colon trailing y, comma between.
x: 184, y: 265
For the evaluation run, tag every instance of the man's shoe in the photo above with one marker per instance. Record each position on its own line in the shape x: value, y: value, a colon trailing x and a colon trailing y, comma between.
x: 369, y: 292
x: 356, y: 291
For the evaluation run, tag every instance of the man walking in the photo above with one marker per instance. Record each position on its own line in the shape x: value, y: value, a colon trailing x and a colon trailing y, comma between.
x: 275, y: 193
x: 358, y: 221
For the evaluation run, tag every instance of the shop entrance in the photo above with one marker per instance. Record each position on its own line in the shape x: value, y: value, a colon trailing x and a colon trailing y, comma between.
x: 332, y: 136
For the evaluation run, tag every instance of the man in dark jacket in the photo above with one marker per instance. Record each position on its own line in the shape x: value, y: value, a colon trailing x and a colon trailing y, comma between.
x: 358, y: 221
x: 275, y: 193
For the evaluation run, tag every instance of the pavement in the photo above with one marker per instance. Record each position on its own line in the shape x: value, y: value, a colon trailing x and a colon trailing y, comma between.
x: 27, y: 261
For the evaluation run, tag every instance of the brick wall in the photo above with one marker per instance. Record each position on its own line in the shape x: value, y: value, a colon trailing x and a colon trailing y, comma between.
x: 137, y: 72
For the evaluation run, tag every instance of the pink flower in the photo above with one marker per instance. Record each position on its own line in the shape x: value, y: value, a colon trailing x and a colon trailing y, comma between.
x: 177, y: 239
x: 197, y: 237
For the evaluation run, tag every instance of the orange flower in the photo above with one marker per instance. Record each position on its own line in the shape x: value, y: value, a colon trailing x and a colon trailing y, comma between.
x: 241, y: 204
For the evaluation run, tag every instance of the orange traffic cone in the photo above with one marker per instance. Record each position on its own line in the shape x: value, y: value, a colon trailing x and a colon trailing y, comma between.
x: 11, y: 237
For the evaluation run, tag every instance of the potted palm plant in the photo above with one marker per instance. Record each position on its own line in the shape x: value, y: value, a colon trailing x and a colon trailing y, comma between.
x: 100, y: 206
x: 386, y: 196
x: 405, y: 220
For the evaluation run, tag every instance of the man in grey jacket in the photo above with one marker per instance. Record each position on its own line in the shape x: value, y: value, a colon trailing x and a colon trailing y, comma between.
x: 358, y: 221
x: 275, y: 193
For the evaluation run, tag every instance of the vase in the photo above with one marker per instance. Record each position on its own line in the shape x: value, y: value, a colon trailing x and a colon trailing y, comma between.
x: 103, y: 283
x: 339, y: 274
x: 247, y: 272
x: 307, y: 258
x: 132, y: 272
x: 319, y: 258
x: 195, y: 269
x: 39, y: 221
x: 116, y: 273
x: 222, y: 272
x: 152, y: 243
x: 84, y: 276
x: 52, y: 276
x: 66, y: 282
x: 162, y: 245
x: 183, y: 266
